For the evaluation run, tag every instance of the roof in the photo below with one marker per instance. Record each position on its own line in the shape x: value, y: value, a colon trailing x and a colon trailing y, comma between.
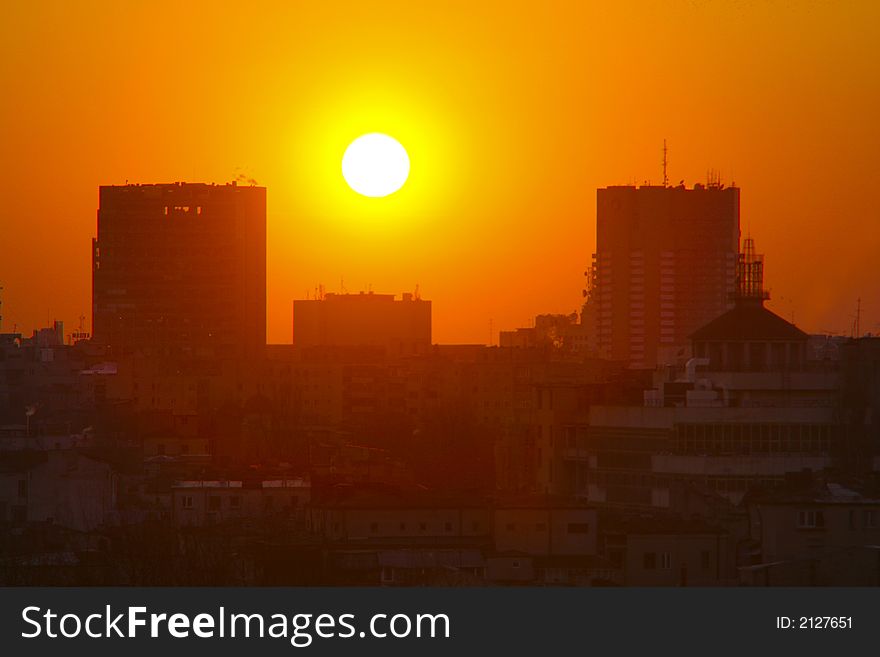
x: 815, y: 491
x: 749, y: 321
x: 100, y: 368
x: 539, y: 501
x: 215, y: 484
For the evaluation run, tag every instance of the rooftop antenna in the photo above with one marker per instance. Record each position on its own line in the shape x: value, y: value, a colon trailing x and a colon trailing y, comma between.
x: 665, y: 164
x: 1, y: 308
x: 857, y: 325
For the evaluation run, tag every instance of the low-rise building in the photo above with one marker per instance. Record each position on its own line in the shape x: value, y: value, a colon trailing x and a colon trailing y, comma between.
x: 668, y: 550
x: 813, y: 521
x: 64, y: 487
x: 197, y: 503
x: 545, y: 526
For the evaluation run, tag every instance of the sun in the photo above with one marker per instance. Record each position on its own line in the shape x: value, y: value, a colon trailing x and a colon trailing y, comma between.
x: 375, y: 165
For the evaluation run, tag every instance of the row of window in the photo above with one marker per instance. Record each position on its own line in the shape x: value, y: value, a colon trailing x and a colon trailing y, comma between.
x: 815, y: 519
x: 734, y: 484
x: 731, y: 438
x: 423, y: 527
x: 663, y: 560
x: 571, y: 528
x: 215, y: 502
x: 647, y: 479
x: 753, y: 437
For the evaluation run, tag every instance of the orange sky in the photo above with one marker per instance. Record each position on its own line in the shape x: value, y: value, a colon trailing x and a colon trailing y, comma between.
x: 513, y: 113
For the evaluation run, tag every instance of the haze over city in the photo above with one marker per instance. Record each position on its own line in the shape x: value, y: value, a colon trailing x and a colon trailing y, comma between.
x: 453, y: 295
x: 512, y: 118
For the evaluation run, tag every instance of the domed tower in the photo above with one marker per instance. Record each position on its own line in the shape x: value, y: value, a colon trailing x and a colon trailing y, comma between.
x: 749, y: 337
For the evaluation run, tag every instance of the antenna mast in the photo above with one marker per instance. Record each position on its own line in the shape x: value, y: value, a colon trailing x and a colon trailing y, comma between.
x: 665, y: 164
x: 858, y: 325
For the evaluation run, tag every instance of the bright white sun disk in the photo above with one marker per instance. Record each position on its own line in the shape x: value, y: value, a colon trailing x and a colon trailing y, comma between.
x: 375, y: 165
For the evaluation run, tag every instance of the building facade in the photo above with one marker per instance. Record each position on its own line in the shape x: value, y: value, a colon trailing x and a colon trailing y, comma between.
x: 665, y: 264
x: 400, y: 326
x: 180, y: 270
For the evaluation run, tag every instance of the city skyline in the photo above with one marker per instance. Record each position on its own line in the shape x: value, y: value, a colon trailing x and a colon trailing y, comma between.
x: 512, y: 120
x: 465, y: 294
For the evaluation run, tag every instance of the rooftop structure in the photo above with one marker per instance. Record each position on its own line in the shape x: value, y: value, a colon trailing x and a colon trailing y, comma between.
x: 749, y: 337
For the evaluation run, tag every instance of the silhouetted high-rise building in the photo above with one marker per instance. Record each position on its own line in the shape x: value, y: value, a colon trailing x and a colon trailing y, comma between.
x: 665, y: 264
x: 402, y: 326
x: 180, y: 269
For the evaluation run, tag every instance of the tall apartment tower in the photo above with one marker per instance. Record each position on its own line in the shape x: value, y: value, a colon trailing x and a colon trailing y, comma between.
x: 665, y: 265
x: 179, y: 270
